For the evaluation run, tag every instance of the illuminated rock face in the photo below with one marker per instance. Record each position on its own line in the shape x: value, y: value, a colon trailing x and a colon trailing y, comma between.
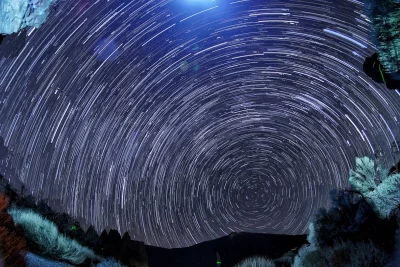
x: 18, y: 14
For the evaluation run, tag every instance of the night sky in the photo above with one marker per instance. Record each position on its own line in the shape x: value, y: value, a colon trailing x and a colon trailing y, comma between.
x: 182, y: 121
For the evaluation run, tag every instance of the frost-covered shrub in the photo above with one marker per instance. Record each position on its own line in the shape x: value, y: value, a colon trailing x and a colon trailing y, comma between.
x: 379, y: 189
x: 18, y: 14
x: 256, y: 262
x: 351, y: 218
x: 385, y: 19
x: 284, y: 261
x: 341, y: 254
x: 109, y: 262
x: 34, y: 260
x: 46, y: 236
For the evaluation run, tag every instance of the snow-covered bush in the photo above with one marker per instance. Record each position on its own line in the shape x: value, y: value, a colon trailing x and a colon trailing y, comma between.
x: 109, y: 262
x: 18, y: 14
x: 45, y: 234
x: 341, y: 254
x: 256, y: 262
x: 381, y: 191
x: 34, y: 260
x: 385, y: 20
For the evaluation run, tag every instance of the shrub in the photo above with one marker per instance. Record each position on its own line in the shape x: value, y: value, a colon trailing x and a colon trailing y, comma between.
x: 385, y: 18
x: 284, y: 261
x: 256, y: 262
x: 12, y: 243
x: 34, y: 260
x: 109, y: 262
x: 381, y: 191
x: 340, y: 221
x: 341, y: 254
x: 49, y: 241
x: 67, y: 225
x: 351, y: 219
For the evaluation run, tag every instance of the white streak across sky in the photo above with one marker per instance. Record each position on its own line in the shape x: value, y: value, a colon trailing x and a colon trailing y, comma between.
x: 181, y: 124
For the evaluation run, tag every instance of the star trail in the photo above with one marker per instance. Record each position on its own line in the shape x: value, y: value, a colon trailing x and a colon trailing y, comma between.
x: 181, y: 122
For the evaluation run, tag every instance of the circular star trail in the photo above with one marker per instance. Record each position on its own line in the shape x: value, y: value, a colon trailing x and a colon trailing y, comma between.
x: 181, y: 122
